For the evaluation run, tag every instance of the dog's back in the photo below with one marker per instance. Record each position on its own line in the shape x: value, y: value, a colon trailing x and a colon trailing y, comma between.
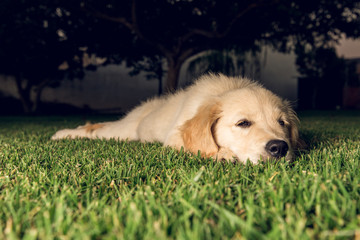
x: 159, y: 118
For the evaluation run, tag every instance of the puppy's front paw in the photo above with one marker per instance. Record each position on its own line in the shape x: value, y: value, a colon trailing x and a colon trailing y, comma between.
x: 227, y: 155
x: 61, y: 134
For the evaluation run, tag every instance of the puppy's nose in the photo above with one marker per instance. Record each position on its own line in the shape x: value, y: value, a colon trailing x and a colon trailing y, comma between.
x: 277, y: 148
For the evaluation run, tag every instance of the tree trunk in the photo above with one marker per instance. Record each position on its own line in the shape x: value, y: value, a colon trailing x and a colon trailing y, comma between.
x: 25, y: 89
x: 173, y: 73
x: 38, y: 91
x: 37, y: 99
x: 24, y: 94
x: 175, y: 61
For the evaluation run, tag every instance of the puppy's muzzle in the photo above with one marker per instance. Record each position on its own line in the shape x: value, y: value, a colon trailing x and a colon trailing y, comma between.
x: 277, y: 148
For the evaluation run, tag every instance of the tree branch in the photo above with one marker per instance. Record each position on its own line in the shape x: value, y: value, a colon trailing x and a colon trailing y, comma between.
x: 134, y: 20
x: 132, y: 26
x: 104, y: 16
x: 215, y: 33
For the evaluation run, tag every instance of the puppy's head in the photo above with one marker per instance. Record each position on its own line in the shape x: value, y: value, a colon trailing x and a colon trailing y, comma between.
x: 251, y: 124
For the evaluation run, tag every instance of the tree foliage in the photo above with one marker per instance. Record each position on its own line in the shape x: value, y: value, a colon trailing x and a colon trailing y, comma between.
x: 35, y: 49
x: 38, y: 36
x: 177, y: 30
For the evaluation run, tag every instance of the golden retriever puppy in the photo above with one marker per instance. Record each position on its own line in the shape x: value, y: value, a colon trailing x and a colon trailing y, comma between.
x: 222, y: 117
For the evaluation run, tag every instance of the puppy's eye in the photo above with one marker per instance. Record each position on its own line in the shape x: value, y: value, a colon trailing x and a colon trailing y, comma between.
x: 281, y: 122
x: 243, y: 123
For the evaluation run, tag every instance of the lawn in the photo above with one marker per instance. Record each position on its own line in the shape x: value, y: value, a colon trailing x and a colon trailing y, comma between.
x: 94, y: 189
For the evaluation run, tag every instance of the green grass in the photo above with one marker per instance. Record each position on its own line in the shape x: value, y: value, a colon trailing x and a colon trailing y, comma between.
x: 92, y: 189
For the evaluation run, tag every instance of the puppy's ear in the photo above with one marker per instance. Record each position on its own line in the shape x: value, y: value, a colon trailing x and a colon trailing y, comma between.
x: 294, y: 132
x: 296, y: 142
x: 198, y: 132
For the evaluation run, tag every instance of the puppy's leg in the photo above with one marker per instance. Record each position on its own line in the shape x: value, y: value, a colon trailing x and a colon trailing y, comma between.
x: 125, y: 128
x: 86, y: 131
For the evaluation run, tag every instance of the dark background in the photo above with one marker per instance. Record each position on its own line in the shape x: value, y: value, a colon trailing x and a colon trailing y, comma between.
x: 49, y: 44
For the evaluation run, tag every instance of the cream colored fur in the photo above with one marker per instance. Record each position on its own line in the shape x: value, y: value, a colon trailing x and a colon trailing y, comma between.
x: 204, y: 118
